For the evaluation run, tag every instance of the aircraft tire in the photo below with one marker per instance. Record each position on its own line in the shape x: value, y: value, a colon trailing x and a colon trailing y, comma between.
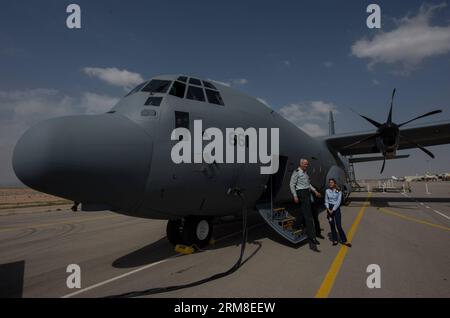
x: 173, y: 232
x: 197, y: 231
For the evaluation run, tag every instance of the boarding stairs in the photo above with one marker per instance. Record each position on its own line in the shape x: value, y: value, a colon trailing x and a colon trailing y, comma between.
x: 282, y: 222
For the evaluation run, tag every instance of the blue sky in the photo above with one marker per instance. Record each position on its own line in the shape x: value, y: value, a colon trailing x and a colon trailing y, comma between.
x: 301, y: 57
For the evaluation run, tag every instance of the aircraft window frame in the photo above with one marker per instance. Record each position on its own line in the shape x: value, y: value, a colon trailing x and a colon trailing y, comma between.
x: 137, y: 88
x: 209, y: 85
x: 215, y: 99
x: 181, y: 119
x: 193, y: 79
x: 199, y: 88
x: 178, y: 83
x: 182, y: 79
x: 160, y: 88
x: 153, y: 101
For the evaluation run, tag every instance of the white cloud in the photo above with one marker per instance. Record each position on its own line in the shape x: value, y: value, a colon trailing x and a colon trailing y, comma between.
x: 328, y: 64
x: 409, y: 44
x: 114, y: 76
x: 309, y: 116
x: 313, y: 130
x: 92, y: 103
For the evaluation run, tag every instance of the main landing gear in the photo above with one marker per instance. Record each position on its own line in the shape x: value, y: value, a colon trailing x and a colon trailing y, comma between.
x: 192, y: 230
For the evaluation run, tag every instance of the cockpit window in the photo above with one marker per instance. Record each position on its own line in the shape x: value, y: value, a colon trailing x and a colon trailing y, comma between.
x: 209, y: 85
x: 182, y: 79
x: 136, y: 89
x: 157, y: 86
x: 195, y: 93
x: 195, y: 81
x: 177, y: 89
x: 153, y: 101
x: 214, y: 97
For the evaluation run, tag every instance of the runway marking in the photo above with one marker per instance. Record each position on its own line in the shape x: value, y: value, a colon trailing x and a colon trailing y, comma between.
x: 421, y: 203
x: 117, y: 277
x: 144, y: 267
x: 391, y: 212
x: 328, y: 282
x: 441, y: 214
x: 56, y: 223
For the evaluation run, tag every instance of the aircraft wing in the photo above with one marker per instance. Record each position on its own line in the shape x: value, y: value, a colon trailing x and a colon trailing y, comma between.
x: 437, y: 133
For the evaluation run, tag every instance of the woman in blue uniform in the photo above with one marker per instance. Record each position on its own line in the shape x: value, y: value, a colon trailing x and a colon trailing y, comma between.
x: 333, y: 199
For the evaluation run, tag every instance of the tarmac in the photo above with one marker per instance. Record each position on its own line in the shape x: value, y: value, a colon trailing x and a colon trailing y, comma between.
x: 407, y: 235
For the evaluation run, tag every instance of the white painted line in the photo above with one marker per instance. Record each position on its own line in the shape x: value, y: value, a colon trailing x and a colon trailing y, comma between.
x: 435, y: 211
x: 116, y: 278
x: 441, y: 214
x: 142, y: 268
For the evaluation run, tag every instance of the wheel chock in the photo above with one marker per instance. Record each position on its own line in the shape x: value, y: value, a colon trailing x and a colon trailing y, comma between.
x: 183, y: 249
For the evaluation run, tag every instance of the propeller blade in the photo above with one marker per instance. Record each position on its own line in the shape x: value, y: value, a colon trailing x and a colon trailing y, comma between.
x: 362, y: 140
x: 424, y: 115
x: 389, y: 120
x: 382, y: 167
x: 418, y: 146
x: 373, y: 122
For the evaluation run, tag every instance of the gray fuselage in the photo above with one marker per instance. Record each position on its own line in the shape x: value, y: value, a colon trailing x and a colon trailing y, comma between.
x: 121, y: 160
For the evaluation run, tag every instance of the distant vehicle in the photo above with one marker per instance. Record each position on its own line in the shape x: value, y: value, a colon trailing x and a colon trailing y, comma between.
x: 430, y: 177
x: 425, y: 177
x: 121, y: 160
x: 400, y: 179
x: 413, y: 178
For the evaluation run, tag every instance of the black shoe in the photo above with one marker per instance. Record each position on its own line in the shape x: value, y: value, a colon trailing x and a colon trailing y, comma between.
x: 320, y: 236
x: 335, y: 243
x: 348, y: 244
x: 313, y: 247
x: 315, y: 242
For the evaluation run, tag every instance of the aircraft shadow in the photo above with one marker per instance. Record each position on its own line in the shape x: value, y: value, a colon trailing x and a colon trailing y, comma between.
x: 154, y: 252
x: 225, y: 233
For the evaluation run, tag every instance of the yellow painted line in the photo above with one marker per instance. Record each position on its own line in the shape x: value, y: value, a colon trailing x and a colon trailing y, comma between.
x: 56, y: 223
x: 328, y: 282
x: 388, y: 211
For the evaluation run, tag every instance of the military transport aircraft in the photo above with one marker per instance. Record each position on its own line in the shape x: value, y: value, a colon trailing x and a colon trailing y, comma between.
x: 121, y: 160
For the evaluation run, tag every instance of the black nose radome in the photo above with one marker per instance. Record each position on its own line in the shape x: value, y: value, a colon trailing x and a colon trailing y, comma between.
x: 97, y: 159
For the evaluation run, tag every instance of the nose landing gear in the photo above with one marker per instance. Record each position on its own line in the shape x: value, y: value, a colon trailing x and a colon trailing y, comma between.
x: 192, y: 230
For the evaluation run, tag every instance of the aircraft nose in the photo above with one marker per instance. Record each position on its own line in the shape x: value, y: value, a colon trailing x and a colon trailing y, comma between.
x: 96, y: 159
